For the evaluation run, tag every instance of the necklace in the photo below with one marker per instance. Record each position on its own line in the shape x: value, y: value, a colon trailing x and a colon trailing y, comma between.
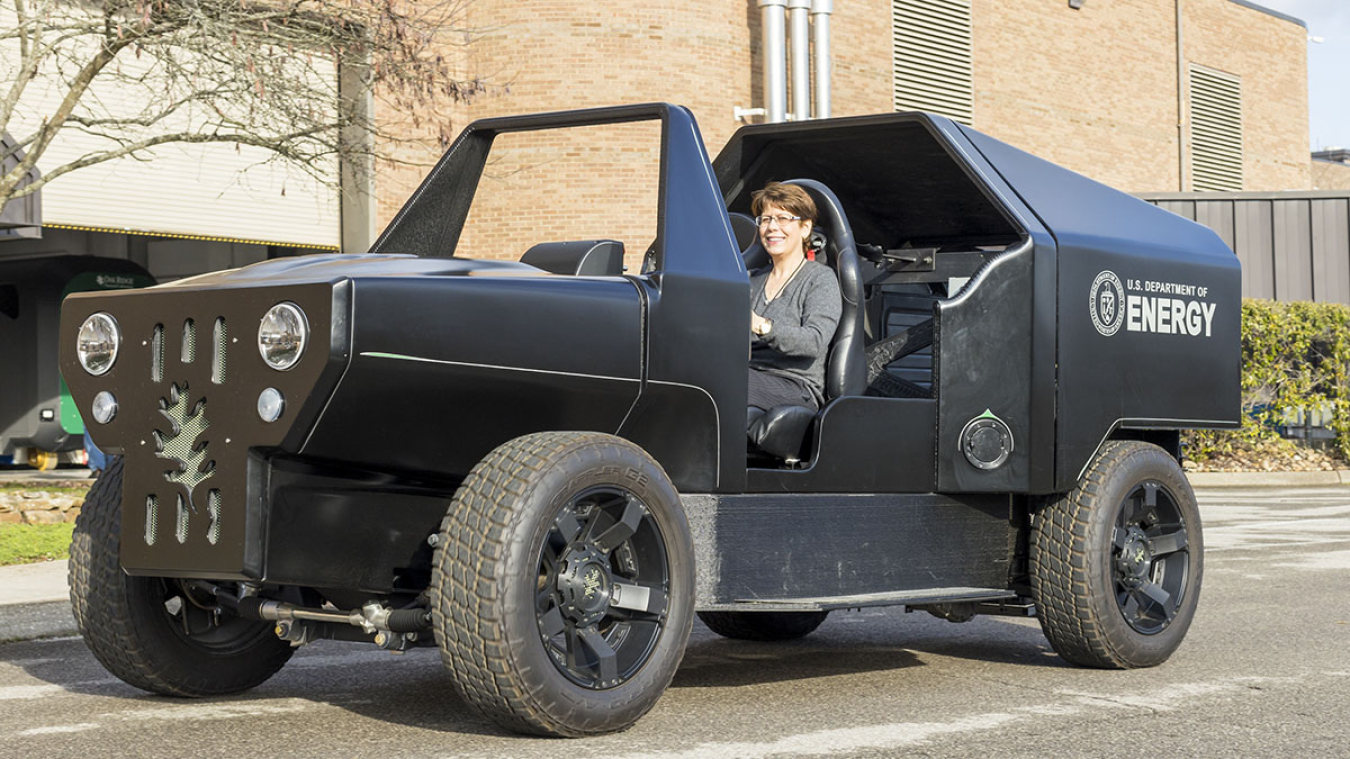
x: 769, y: 298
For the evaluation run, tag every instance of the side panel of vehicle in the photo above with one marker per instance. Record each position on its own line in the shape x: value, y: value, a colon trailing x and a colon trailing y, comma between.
x: 821, y: 548
x: 1149, y: 310
x: 444, y: 369
x: 345, y: 527
x: 864, y: 445
x: 1165, y: 358
x: 697, y: 348
x: 995, y: 352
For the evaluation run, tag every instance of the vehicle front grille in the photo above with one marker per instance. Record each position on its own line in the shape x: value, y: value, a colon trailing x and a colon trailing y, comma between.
x: 183, y: 441
x: 187, y: 383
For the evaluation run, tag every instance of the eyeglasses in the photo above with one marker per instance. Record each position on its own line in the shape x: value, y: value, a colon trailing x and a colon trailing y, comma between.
x: 783, y: 221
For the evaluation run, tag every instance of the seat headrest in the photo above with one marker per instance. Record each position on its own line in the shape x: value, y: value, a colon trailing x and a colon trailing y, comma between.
x: 595, y: 258
x: 745, y: 230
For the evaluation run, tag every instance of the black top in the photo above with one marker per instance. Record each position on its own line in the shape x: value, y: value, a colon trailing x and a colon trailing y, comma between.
x: 804, y: 316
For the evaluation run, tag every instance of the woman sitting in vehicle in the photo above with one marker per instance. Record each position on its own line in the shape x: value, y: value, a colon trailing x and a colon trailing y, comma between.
x: 794, y: 304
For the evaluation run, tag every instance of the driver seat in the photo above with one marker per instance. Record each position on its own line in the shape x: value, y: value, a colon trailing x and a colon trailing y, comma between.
x: 782, y: 431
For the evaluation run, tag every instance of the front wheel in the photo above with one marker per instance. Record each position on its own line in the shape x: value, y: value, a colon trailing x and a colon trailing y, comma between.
x: 562, y: 585
x: 154, y: 633
x: 1117, y: 562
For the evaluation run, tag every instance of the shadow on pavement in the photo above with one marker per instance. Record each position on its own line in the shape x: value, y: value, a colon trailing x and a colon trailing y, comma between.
x: 416, y: 691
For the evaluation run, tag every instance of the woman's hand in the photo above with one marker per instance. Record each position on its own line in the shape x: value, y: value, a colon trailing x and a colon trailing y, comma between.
x: 759, y: 325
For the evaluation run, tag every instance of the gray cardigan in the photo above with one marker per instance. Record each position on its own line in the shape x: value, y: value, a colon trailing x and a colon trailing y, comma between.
x: 804, y: 317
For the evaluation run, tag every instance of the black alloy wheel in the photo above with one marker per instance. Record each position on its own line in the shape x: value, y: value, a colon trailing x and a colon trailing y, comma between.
x: 603, y: 584
x: 1150, y: 557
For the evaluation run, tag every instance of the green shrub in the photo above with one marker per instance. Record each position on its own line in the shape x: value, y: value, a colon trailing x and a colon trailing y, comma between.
x: 1294, y: 356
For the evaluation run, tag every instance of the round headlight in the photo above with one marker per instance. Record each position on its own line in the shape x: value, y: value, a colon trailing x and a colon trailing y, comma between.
x: 98, y: 342
x: 283, y: 335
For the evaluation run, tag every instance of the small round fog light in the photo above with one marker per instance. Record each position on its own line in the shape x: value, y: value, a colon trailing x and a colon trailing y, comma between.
x: 105, y: 407
x: 270, y: 404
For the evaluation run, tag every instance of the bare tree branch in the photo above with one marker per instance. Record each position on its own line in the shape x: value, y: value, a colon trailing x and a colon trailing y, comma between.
x: 131, y: 75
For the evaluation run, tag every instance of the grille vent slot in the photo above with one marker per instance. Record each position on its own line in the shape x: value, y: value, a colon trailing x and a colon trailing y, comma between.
x: 157, y: 354
x: 213, y: 511
x: 189, y: 341
x: 151, y: 518
x: 182, y: 531
x: 218, y: 338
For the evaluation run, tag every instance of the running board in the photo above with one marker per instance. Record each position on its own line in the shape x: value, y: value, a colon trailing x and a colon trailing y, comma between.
x: 922, y: 597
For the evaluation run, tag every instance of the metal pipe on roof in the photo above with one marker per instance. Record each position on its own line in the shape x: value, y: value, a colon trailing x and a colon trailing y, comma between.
x: 820, y: 32
x: 772, y: 18
x: 799, y: 12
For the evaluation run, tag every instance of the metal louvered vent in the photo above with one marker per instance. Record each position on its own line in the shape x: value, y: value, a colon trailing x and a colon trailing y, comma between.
x: 1216, y: 130
x: 157, y: 354
x: 931, y: 57
x: 151, y: 518
x: 213, y: 511
x: 219, y: 336
x: 181, y: 531
x: 189, y: 341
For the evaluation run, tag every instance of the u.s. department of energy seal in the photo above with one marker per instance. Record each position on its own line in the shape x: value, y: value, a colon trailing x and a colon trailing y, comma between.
x: 1106, y: 303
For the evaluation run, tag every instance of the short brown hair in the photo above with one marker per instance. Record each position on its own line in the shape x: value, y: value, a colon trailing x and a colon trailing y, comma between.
x: 788, y: 197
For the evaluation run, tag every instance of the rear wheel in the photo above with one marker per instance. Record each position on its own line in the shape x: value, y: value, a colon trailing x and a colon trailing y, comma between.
x: 562, y: 585
x: 763, y: 625
x: 1117, y: 562
x: 154, y: 633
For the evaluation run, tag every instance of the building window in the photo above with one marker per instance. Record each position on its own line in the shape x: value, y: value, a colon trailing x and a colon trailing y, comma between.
x: 931, y: 57
x: 1216, y: 130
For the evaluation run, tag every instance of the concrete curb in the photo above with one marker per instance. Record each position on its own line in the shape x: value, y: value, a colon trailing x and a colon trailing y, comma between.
x: 27, y: 621
x: 41, y: 582
x: 1268, y: 479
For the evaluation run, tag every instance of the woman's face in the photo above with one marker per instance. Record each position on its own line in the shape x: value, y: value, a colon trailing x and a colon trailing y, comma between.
x: 781, y: 238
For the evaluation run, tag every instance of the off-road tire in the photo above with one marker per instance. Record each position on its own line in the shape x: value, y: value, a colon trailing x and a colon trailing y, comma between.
x: 763, y: 625
x: 1075, y: 574
x: 125, y: 624
x: 485, y: 589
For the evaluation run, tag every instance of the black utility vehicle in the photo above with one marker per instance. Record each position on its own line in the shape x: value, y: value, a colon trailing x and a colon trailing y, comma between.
x: 547, y: 476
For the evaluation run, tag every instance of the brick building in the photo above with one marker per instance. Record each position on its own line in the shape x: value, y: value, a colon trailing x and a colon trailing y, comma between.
x: 1100, y: 88
x: 1331, y: 169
